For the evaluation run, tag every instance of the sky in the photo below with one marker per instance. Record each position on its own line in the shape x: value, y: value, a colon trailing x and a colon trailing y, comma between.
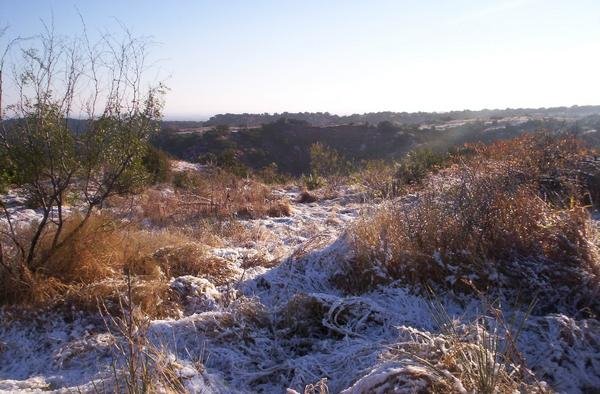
x: 349, y: 56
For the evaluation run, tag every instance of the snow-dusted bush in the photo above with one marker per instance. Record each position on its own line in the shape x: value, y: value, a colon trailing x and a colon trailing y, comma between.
x: 511, y: 217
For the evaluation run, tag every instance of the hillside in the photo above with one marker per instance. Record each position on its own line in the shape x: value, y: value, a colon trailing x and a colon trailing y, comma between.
x: 399, y: 118
x: 287, y: 142
x: 271, y: 289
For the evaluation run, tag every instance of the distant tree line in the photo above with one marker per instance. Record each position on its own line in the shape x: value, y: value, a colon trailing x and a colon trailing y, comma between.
x: 328, y: 119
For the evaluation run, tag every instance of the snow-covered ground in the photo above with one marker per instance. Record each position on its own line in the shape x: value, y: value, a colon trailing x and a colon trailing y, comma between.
x: 181, y: 166
x: 286, y: 326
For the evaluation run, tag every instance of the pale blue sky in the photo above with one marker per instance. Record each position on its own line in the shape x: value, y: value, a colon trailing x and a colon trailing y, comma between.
x: 351, y: 56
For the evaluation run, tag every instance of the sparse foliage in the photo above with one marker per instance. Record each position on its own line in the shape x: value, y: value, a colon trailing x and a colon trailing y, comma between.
x: 327, y: 162
x: 50, y: 154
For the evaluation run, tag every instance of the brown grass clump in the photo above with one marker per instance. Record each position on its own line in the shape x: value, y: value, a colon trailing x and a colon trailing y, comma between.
x: 191, y: 259
x: 279, y: 209
x: 492, y: 222
x: 376, y: 179
x: 302, y: 316
x: 92, y: 265
x: 305, y: 197
x: 480, y: 357
x: 211, y: 194
x: 259, y: 260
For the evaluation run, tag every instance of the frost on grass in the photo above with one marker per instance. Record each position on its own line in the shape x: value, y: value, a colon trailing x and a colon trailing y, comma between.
x: 277, y: 326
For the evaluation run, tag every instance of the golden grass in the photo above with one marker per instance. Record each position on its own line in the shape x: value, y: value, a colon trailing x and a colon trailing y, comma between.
x: 215, y: 194
x: 92, y: 266
x: 279, y: 209
x: 259, y: 260
x: 479, y: 219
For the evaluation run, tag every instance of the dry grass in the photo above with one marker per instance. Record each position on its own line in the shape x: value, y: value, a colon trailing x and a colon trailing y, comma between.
x: 191, y: 259
x: 307, y: 197
x: 376, y: 179
x: 259, y: 260
x: 139, y: 365
x: 213, y: 193
x: 302, y: 317
x: 92, y: 266
x: 279, y: 209
x: 480, y: 357
x: 481, y: 221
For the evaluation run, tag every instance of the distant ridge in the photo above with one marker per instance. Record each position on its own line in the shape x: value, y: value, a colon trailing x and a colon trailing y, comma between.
x: 328, y: 119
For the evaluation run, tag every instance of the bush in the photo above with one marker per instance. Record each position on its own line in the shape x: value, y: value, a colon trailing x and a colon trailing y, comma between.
x: 270, y: 175
x: 485, y: 225
x: 327, y: 162
x: 312, y: 181
x: 186, y: 180
x: 212, y: 193
x: 418, y: 164
x: 96, y: 264
x: 88, y: 267
x: 158, y: 165
x: 377, y: 179
x: 229, y: 161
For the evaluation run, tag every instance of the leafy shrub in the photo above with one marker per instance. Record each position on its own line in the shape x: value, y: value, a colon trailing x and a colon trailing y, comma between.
x: 417, y: 164
x: 327, y: 162
x: 157, y: 164
x: 229, y: 161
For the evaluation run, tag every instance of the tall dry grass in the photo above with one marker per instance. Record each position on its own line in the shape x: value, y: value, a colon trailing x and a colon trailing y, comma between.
x: 92, y: 266
x: 510, y: 216
x: 215, y: 193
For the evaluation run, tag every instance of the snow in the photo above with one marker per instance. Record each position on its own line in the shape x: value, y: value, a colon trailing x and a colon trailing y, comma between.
x: 287, y: 326
x: 181, y: 166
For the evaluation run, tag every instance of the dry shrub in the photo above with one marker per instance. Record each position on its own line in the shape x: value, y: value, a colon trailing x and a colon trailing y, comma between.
x: 376, y: 178
x: 91, y: 266
x: 306, y: 197
x: 468, y: 360
x: 480, y: 357
x: 483, y: 225
x: 139, y: 365
x: 153, y: 297
x: 192, y: 259
x: 213, y: 195
x: 302, y: 316
x: 559, y: 166
x: 240, y: 322
x: 279, y: 209
x: 259, y: 260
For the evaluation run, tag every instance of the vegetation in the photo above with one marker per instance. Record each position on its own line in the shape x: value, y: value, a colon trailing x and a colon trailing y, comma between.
x: 417, y: 164
x: 49, y: 161
x: 513, y: 206
x: 304, y: 256
x: 158, y: 165
x: 386, y: 118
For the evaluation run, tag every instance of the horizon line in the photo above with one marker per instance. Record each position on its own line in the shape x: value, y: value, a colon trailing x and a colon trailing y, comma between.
x: 206, y: 116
